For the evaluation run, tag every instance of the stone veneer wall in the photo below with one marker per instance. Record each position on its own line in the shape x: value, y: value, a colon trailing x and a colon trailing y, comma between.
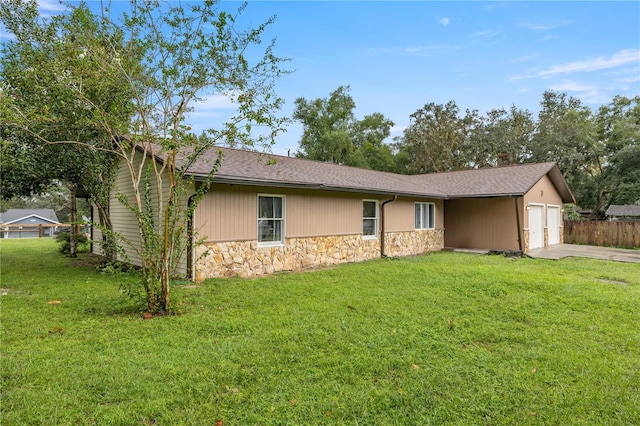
x: 546, y: 238
x: 525, y: 237
x: 246, y: 259
x: 413, y: 242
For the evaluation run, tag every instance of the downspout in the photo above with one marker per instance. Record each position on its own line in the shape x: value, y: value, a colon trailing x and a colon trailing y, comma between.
x: 190, y: 271
x: 382, y: 251
x: 518, y: 224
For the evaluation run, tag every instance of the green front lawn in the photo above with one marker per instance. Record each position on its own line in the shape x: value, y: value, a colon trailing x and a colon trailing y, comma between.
x: 446, y: 338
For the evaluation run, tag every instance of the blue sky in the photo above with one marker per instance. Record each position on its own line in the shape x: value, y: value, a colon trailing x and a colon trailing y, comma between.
x: 398, y: 56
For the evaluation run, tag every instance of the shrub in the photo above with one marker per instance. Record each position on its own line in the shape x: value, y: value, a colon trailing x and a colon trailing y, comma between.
x: 65, y: 239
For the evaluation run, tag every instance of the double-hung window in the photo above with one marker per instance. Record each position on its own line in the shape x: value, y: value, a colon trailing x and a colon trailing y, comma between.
x: 270, y: 220
x: 425, y: 215
x: 369, y: 218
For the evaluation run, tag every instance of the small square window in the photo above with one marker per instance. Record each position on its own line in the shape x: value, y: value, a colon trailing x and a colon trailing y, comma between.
x: 425, y: 215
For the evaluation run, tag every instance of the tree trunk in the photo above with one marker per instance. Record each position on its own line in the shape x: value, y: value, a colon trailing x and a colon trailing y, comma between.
x: 108, y: 240
x: 73, y: 235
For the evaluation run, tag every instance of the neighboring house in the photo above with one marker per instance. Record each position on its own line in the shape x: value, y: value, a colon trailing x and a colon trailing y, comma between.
x: 624, y: 212
x: 28, y: 223
x: 266, y: 213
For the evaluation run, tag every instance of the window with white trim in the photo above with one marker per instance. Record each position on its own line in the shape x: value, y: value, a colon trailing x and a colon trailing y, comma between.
x: 270, y: 220
x: 369, y: 218
x: 425, y: 215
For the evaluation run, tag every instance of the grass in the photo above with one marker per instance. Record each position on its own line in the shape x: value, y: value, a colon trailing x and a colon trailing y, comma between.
x: 447, y: 338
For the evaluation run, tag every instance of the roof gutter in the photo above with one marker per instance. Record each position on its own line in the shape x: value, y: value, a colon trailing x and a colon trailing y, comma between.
x: 293, y: 185
x: 382, y: 236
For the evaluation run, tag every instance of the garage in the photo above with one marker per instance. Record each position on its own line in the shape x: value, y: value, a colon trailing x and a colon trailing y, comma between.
x: 536, y: 225
x: 554, y: 215
x: 502, y: 208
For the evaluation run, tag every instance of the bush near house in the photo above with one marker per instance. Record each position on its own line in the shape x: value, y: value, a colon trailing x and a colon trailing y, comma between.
x: 446, y: 338
x: 64, y: 238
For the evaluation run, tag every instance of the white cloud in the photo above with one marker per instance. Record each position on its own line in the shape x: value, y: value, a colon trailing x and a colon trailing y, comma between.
x: 489, y: 36
x: 411, y: 50
x: 211, y: 112
x: 445, y: 21
x: 397, y: 129
x: 573, y: 86
x: 588, y: 93
x: 215, y: 102
x: 548, y: 37
x: 615, y: 63
x: 620, y: 58
x: 632, y: 79
x: 525, y: 58
x: 50, y: 6
x: 535, y: 26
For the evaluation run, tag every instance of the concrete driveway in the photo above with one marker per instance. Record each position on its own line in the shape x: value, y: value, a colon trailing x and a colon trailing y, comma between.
x: 561, y: 251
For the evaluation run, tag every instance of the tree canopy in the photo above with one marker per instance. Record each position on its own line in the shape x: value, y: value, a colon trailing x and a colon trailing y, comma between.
x: 333, y: 134
x: 597, y: 152
x: 52, y: 88
x: 157, y: 60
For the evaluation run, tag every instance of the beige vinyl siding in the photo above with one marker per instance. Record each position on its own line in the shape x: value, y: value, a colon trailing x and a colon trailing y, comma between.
x: 229, y: 213
x: 399, y: 215
x: 96, y: 232
x: 124, y: 221
x: 314, y: 214
x: 482, y: 223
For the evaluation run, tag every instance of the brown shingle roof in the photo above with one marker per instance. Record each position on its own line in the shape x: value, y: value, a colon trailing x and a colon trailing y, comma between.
x: 258, y: 168
x: 513, y: 180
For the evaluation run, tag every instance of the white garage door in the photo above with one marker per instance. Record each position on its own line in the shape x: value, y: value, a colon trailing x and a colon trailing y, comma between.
x: 553, y: 224
x: 536, y: 226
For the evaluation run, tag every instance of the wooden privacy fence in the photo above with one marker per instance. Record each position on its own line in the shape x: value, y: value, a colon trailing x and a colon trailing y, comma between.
x: 602, y: 233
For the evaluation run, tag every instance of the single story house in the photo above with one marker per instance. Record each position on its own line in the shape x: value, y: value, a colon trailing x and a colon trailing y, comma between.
x: 28, y: 223
x: 266, y: 213
x: 623, y: 212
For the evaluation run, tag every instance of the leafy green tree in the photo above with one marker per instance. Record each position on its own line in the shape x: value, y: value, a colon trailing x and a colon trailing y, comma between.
x: 333, y: 134
x: 618, y: 127
x: 370, y: 151
x: 168, y: 56
x: 500, y: 138
x: 42, y: 70
x: 435, y: 139
x: 326, y: 126
x: 566, y: 133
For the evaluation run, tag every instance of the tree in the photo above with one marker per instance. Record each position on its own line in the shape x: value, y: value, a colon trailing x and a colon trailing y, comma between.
x: 618, y: 127
x: 500, y: 138
x: 173, y: 55
x: 333, y: 134
x: 42, y: 70
x: 566, y: 133
x: 435, y: 139
x: 368, y: 137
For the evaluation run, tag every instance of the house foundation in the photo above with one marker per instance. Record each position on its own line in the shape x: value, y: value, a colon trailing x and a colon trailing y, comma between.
x: 247, y: 258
